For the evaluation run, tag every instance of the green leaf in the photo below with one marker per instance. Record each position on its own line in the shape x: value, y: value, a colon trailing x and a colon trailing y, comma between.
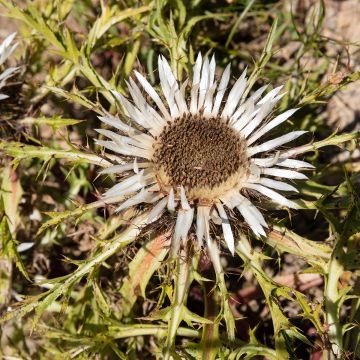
x: 55, y: 122
x: 43, y: 301
x: 77, y: 97
x: 109, y: 17
x: 285, y: 240
x: 20, y: 151
x: 100, y: 298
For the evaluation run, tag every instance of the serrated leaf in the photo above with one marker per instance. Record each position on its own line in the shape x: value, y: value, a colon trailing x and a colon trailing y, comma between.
x: 55, y: 292
x: 287, y: 241
x: 101, y: 299
x: 190, y: 316
x: 76, y: 97
x: 56, y: 219
x: 55, y: 121
x: 20, y: 151
x: 59, y: 288
x: 9, y: 247
x: 109, y: 17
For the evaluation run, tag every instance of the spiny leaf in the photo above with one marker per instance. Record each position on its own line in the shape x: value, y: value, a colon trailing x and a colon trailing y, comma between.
x: 77, y: 97
x: 44, y: 300
x: 9, y: 245
x: 55, y: 122
x: 287, y: 241
x: 101, y: 299
x: 20, y: 151
x: 59, y: 217
x: 109, y: 17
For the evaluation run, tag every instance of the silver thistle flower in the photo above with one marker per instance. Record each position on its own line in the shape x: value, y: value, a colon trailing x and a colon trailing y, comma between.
x: 197, y: 157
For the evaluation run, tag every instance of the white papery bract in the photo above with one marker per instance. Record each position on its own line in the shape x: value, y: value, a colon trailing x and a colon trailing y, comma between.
x: 6, y: 49
x: 197, y: 149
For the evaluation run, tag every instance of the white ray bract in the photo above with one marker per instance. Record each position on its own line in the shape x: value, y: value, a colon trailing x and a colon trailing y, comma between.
x: 117, y: 169
x: 6, y: 49
x: 180, y: 98
x: 290, y: 163
x: 253, y: 210
x: 234, y: 96
x: 126, y: 186
x: 212, y: 68
x: 287, y: 174
x: 183, y: 223
x: 122, y: 141
x: 154, y: 120
x: 154, y: 95
x: 135, y: 114
x: 6, y: 74
x: 135, y: 187
x: 277, y: 185
x: 270, y: 95
x: 209, y: 100
x: 184, y: 202
x: 204, y: 83
x: 295, y: 164
x: 157, y: 210
x: 210, y: 90
x: 169, y: 85
x: 251, y: 219
x: 273, y: 195
x: 116, y: 123
x: 144, y: 196
x: 125, y: 149
x: 221, y: 91
x: 171, y: 200
x: 143, y: 138
x: 135, y: 166
x: 243, y: 115
x: 232, y: 198
x: 273, y: 123
x: 262, y: 113
x: 202, y: 219
x: 214, y: 216
x: 226, y: 227
x: 258, y: 215
x: 257, y: 94
x: 195, y: 85
x: 272, y: 144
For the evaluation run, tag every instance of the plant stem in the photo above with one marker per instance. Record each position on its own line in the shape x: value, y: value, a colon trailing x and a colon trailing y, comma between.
x: 182, y: 283
x: 210, y: 342
x: 332, y: 297
x: 120, y: 332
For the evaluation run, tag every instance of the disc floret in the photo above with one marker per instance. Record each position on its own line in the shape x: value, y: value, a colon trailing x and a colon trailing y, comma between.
x: 204, y: 155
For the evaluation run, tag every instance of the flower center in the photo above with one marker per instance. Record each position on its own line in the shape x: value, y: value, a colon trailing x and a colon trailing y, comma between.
x: 205, y: 155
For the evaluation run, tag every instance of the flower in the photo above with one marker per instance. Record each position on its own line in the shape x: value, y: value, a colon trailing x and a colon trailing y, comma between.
x: 203, y: 158
x: 6, y: 50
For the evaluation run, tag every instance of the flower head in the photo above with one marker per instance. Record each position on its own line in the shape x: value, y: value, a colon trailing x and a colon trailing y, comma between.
x: 198, y: 151
x: 6, y: 49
